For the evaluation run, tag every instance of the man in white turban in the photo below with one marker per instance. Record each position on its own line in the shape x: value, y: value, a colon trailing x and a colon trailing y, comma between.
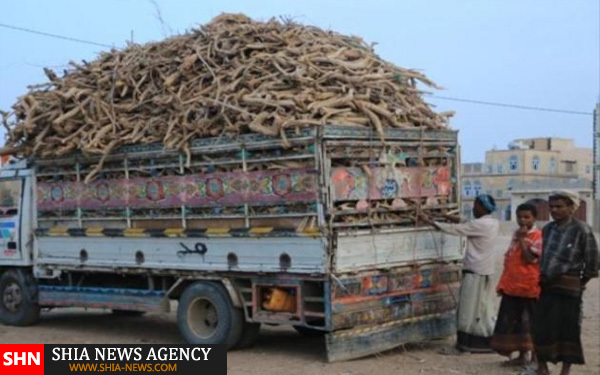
x: 568, y: 194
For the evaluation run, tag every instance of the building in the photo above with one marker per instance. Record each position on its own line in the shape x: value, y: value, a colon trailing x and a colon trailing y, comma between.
x: 532, y: 164
x: 539, y: 198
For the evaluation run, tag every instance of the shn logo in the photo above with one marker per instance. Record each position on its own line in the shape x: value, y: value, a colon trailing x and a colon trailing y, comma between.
x: 21, y: 358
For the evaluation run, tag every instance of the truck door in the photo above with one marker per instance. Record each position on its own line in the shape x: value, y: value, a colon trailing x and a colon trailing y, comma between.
x: 11, y: 204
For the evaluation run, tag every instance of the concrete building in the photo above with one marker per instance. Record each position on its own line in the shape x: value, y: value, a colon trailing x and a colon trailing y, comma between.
x: 532, y: 164
x: 540, y: 196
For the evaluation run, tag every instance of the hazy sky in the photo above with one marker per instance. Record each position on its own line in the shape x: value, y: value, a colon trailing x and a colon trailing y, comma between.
x: 539, y: 53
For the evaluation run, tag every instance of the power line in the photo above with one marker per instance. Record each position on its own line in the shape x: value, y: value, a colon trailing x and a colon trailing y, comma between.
x: 496, y: 104
x: 54, y: 35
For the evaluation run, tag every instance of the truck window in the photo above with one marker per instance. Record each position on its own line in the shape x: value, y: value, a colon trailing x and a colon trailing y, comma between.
x: 10, y: 196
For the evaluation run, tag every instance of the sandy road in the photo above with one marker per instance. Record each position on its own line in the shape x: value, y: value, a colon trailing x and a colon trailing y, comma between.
x: 283, y: 351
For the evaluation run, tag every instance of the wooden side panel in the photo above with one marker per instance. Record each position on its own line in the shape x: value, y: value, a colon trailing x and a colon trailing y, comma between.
x: 390, y: 182
x: 243, y: 254
x: 386, y: 250
x: 375, y: 311
x: 371, y: 298
x: 216, y: 189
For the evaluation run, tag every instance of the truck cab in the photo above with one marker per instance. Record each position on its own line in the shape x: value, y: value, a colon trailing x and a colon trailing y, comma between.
x: 16, y: 196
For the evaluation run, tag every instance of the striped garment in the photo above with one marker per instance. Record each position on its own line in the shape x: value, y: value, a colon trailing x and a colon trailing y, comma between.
x: 569, y: 249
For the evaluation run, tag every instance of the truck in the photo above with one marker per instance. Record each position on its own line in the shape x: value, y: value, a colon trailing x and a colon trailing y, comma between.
x: 319, y: 230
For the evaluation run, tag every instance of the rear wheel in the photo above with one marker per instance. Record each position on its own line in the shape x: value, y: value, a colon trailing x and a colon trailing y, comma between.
x: 206, y: 315
x: 18, y: 298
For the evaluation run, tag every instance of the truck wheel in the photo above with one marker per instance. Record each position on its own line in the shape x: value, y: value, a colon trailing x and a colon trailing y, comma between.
x: 127, y: 313
x: 250, y: 333
x: 18, y: 298
x: 206, y: 316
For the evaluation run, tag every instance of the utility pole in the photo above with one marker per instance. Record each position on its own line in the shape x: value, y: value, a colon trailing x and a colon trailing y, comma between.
x: 596, y: 181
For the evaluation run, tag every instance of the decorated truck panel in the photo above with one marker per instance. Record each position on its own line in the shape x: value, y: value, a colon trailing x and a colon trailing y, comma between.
x: 320, y: 233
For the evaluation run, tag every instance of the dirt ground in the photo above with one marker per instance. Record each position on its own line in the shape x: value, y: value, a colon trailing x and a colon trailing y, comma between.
x: 283, y: 351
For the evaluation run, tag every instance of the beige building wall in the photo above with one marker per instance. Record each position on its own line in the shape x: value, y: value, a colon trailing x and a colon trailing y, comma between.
x: 535, y: 164
x: 546, y: 143
x: 519, y: 197
x: 584, y: 162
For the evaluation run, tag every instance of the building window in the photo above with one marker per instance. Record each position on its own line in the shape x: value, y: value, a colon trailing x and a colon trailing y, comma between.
x: 500, y: 168
x: 499, y: 193
x: 466, y: 211
x: 588, y: 169
x: 569, y: 167
x: 490, y: 169
x: 536, y: 163
x: 553, y: 165
x: 513, y: 163
x: 467, y: 189
x: 511, y: 184
x: 477, y: 189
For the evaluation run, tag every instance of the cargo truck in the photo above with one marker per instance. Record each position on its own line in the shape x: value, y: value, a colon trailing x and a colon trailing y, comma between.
x: 318, y: 230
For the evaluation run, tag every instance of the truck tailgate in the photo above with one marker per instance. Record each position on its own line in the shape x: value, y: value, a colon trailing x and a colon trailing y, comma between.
x: 367, y: 250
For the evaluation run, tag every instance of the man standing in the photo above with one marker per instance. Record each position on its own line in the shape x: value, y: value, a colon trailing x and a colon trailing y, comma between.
x: 569, y: 260
x: 475, y: 310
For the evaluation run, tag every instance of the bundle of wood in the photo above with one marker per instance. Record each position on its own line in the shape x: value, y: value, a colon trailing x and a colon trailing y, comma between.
x: 233, y: 75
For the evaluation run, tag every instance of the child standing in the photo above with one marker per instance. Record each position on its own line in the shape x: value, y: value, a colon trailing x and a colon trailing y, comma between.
x: 519, y: 288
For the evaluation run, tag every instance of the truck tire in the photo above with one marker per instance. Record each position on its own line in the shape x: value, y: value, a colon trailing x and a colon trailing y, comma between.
x: 206, y: 315
x: 18, y: 298
x: 250, y: 333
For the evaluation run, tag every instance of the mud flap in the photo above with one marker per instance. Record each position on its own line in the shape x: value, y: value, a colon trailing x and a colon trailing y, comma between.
x: 360, y: 342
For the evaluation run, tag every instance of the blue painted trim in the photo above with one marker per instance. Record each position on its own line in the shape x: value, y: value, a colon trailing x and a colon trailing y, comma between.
x: 121, y: 291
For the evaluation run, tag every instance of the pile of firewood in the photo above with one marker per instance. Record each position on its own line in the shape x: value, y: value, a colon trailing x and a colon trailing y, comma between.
x: 230, y: 76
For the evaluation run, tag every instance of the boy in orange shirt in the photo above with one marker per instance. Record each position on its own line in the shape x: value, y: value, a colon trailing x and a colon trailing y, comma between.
x: 519, y: 288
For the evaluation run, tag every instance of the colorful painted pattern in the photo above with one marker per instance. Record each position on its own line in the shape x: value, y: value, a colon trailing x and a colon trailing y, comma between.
x: 380, y: 298
x: 390, y: 183
x: 217, y: 189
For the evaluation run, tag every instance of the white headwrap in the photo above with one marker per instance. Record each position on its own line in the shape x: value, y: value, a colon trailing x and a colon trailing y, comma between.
x: 570, y: 195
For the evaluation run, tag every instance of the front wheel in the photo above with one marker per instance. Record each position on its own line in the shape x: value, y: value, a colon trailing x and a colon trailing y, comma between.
x: 206, y: 315
x: 18, y: 298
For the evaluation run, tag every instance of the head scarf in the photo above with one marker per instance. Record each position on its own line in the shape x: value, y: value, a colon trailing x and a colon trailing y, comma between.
x: 568, y: 194
x: 487, y: 202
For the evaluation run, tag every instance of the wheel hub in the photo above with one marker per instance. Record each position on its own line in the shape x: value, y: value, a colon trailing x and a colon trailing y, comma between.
x: 203, y: 317
x: 12, y: 297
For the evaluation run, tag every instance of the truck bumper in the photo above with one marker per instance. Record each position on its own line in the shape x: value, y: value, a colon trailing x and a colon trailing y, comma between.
x: 360, y: 342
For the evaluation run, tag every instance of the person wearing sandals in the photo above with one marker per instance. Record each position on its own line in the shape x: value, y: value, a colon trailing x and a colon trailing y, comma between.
x: 569, y: 260
x: 519, y: 288
x: 475, y: 310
